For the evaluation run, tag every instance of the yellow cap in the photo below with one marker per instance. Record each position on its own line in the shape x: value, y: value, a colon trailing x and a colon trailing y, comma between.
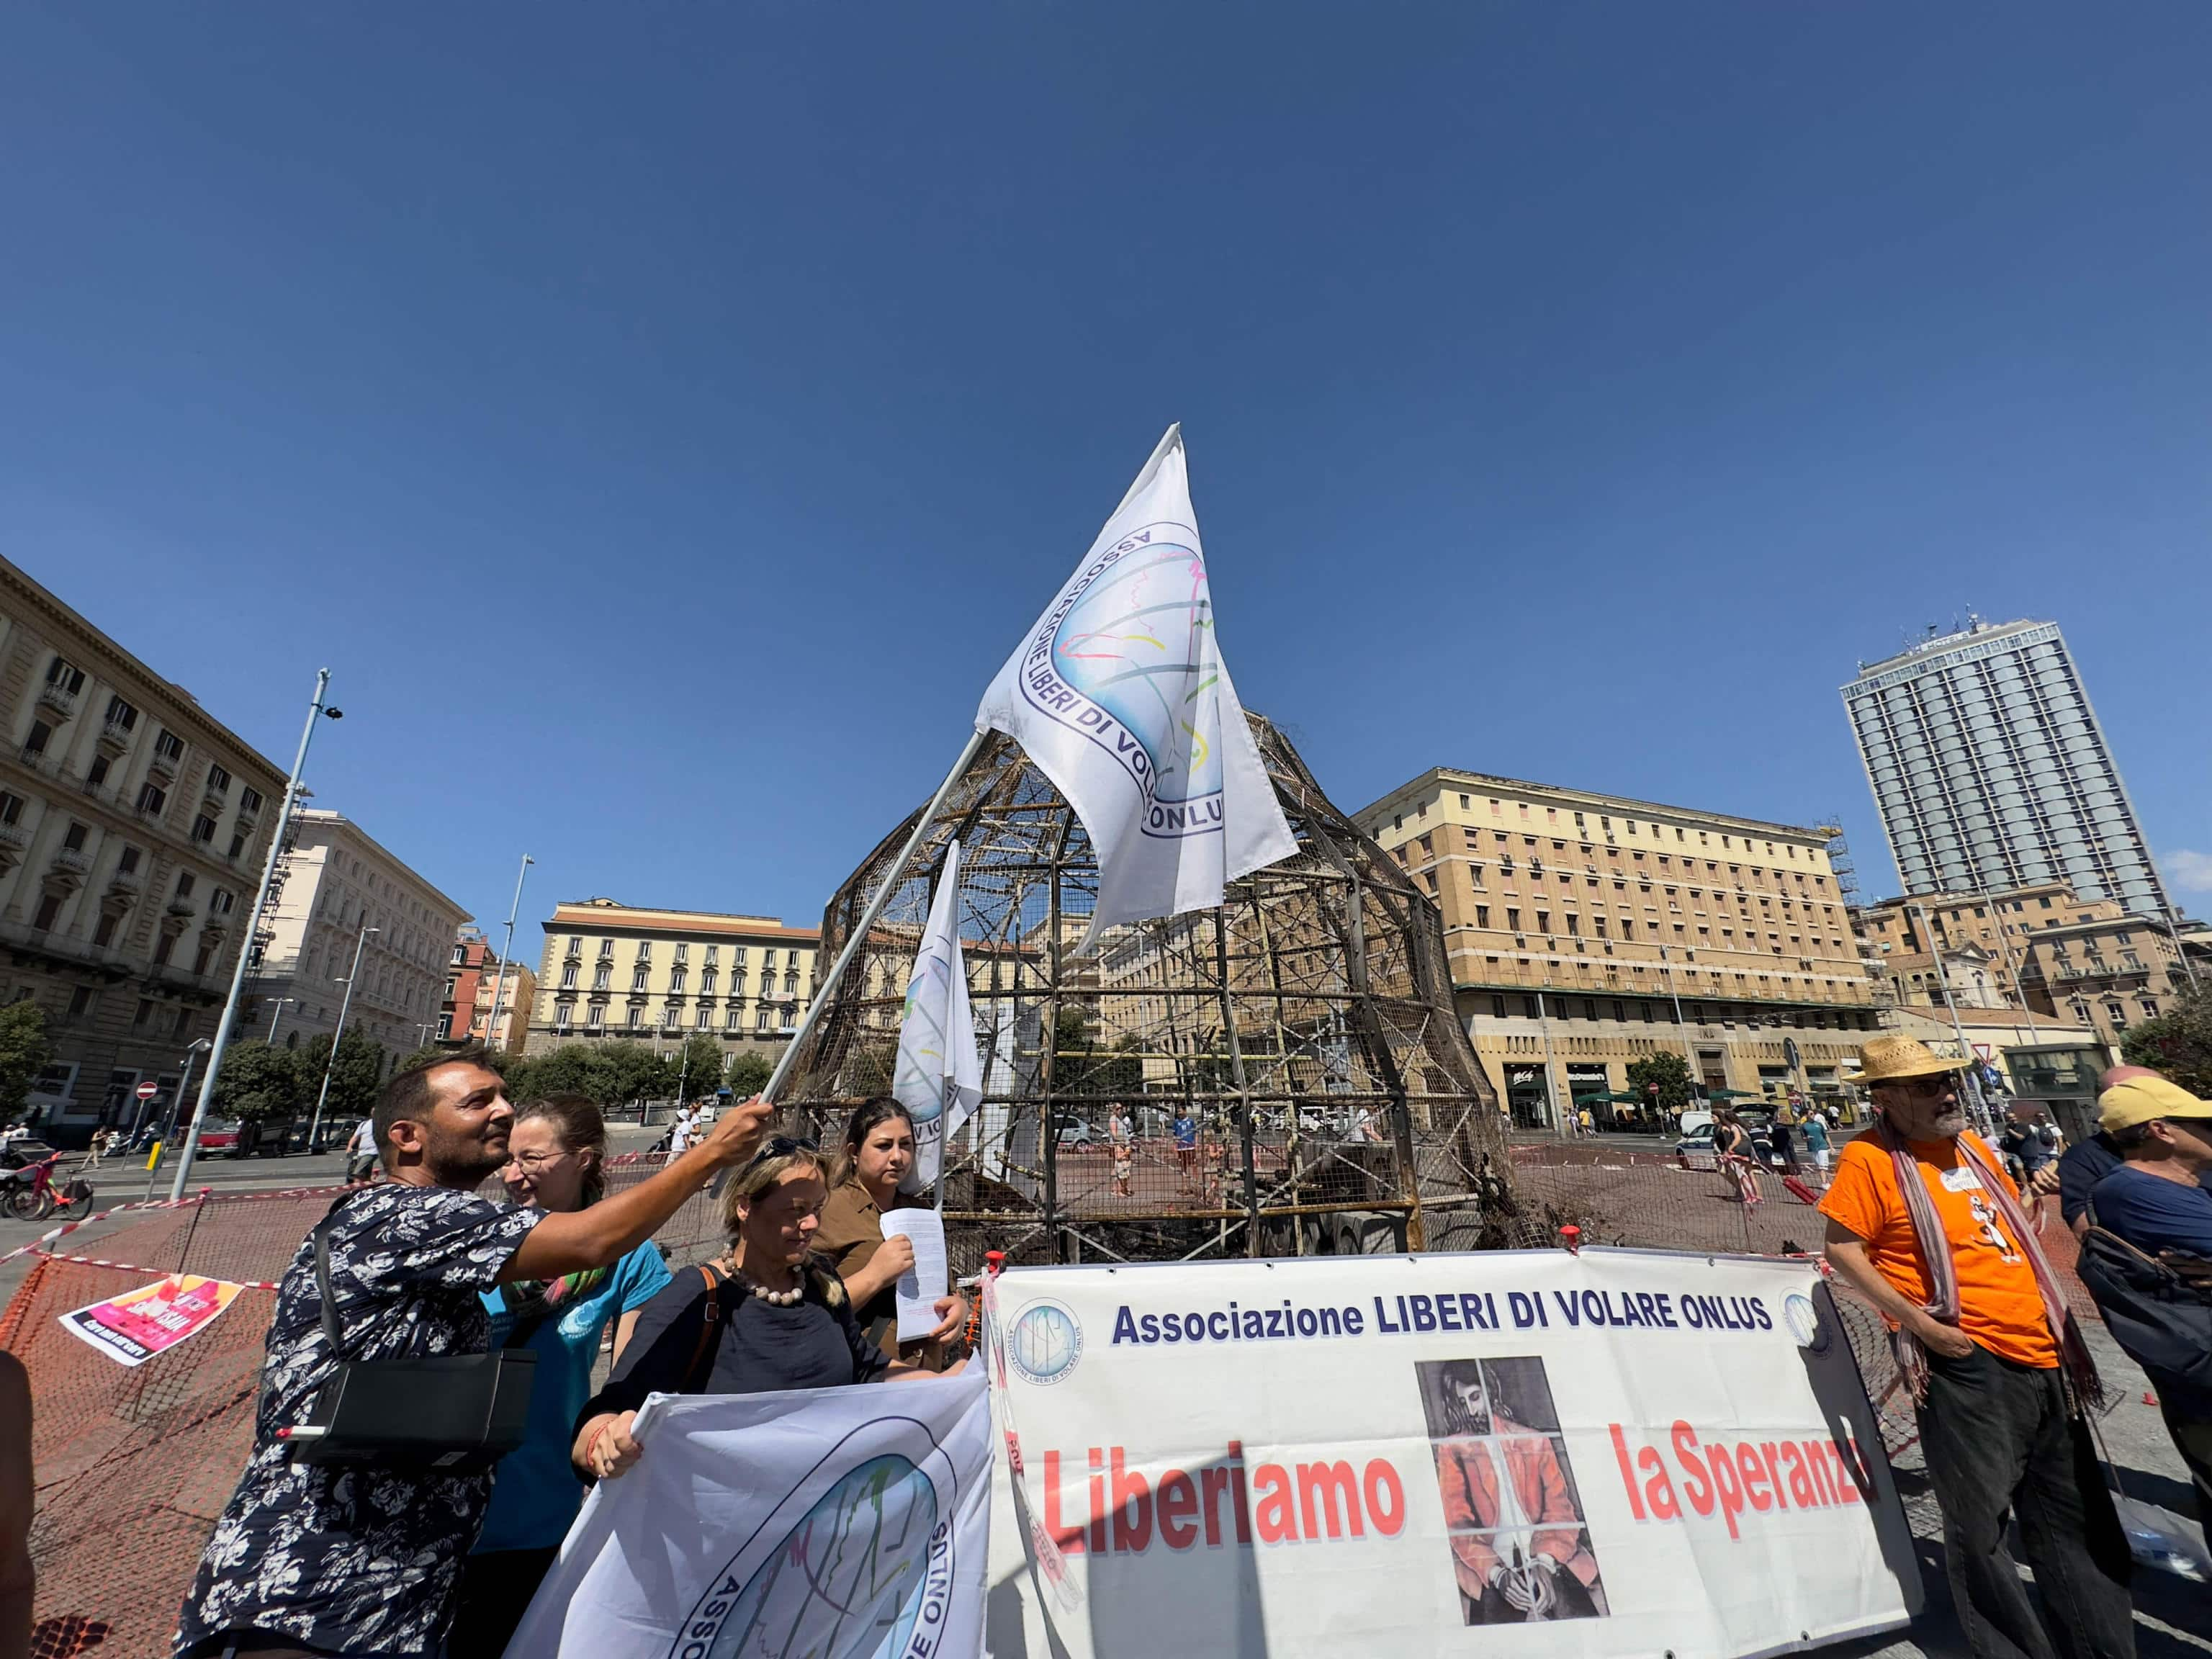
x: 2144, y: 1100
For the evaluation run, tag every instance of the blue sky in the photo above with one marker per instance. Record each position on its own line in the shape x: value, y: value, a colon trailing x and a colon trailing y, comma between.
x: 664, y: 420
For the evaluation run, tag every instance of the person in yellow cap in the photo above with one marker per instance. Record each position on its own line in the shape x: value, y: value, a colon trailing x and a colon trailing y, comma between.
x: 2154, y: 1201
x: 2088, y: 1162
x: 1924, y: 1223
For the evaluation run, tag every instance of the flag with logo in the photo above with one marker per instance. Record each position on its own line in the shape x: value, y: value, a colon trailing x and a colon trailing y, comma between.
x: 1120, y: 695
x: 841, y: 1523
x: 938, y: 1077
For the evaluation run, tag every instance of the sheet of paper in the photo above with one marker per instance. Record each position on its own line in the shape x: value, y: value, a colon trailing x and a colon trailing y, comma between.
x: 918, y: 1290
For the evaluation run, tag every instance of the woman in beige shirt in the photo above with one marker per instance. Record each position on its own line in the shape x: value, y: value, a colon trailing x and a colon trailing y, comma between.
x: 877, y: 1153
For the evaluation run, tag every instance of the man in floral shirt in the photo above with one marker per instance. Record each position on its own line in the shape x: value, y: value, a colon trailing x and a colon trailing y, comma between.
x: 316, y: 1560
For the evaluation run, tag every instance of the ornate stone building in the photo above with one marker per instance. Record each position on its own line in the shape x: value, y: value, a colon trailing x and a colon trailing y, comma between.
x: 617, y: 970
x: 133, y: 826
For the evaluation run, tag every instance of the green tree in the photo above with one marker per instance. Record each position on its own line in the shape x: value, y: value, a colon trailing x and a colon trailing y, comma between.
x: 633, y: 1073
x: 1669, y: 1070
x: 24, y: 1052
x: 749, y: 1074
x: 259, y: 1082
x: 355, y: 1080
x: 696, y: 1069
x: 573, y: 1068
x: 2178, y: 1043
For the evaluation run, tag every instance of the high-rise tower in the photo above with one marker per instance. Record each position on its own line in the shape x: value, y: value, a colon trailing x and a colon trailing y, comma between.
x: 1990, y: 771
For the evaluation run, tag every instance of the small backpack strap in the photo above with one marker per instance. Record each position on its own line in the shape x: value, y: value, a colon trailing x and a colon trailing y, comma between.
x: 712, y: 1318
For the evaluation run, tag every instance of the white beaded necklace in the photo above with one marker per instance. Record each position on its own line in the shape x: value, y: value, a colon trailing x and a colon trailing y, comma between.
x: 790, y: 1298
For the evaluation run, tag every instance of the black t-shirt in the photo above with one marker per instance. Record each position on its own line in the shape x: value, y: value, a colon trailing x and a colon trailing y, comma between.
x: 814, y: 1344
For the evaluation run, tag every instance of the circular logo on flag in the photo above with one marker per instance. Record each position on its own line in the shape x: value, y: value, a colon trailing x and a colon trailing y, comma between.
x: 1045, y: 1343
x: 1134, y: 643
x: 1804, y: 1321
x: 841, y: 1567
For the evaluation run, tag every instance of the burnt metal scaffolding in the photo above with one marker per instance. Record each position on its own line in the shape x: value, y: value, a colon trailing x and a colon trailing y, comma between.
x: 1290, y: 1075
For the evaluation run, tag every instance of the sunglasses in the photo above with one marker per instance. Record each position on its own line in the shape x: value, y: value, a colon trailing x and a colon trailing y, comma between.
x: 784, y: 1146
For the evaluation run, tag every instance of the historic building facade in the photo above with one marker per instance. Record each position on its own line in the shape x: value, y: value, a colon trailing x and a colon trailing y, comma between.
x: 133, y: 827
x: 486, y: 1001
x: 340, y: 889
x: 617, y: 970
x: 1983, y: 939
x: 1586, y: 931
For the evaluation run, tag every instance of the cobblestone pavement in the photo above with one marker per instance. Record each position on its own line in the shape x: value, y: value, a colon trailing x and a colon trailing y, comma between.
x: 2173, y: 1616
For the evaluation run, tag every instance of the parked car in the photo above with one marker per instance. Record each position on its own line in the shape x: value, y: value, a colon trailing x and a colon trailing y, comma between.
x: 219, y: 1135
x: 1074, y: 1132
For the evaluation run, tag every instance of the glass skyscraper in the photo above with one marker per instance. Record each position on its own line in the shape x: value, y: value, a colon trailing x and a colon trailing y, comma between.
x: 1990, y: 771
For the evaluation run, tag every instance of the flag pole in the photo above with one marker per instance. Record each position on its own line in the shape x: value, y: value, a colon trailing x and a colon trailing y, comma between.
x: 872, y: 909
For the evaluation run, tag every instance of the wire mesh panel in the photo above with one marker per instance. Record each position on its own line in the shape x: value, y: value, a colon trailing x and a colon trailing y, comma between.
x: 1283, y: 1075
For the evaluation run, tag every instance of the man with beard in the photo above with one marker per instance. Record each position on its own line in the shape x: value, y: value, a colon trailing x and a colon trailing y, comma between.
x: 312, y: 1560
x: 1924, y: 1223
x: 1516, y: 1539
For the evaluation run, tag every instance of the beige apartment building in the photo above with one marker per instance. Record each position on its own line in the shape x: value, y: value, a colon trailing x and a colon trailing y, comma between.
x: 133, y: 827
x: 339, y: 888
x: 617, y: 970
x: 2111, y: 972
x: 1586, y: 931
x: 1982, y: 938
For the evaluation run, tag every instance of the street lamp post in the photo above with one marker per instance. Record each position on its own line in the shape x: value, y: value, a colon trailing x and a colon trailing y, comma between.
x: 507, y: 952
x: 315, y: 710
x: 276, y: 1014
x: 330, y: 1062
x: 176, y: 1103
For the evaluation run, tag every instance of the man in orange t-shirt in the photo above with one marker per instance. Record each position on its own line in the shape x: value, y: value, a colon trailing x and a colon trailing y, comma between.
x: 1996, y: 1427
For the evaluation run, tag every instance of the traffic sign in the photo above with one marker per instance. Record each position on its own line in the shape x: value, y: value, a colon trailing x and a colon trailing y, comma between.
x: 149, y: 1089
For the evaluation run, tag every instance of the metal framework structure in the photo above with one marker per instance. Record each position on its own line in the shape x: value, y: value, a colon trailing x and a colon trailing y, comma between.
x: 1304, y: 1031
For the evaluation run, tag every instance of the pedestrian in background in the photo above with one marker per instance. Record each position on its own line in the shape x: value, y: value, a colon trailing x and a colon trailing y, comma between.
x: 1923, y: 1222
x: 360, y: 1153
x: 1815, y: 1131
x: 557, y: 1155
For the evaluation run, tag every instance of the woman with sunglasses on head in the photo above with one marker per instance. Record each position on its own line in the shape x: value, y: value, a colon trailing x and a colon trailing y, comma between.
x: 770, y: 1314
x: 863, y: 1186
x: 555, y: 1157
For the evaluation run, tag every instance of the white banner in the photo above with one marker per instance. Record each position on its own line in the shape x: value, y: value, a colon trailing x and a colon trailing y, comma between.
x: 839, y: 1523
x: 938, y: 1077
x: 1120, y: 694
x: 1641, y: 1452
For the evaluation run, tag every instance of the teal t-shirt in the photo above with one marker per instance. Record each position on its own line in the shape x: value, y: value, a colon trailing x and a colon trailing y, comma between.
x: 535, y: 1493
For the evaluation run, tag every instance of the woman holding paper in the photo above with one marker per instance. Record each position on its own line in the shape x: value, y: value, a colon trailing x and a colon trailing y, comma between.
x: 769, y: 1315
x: 864, y: 1187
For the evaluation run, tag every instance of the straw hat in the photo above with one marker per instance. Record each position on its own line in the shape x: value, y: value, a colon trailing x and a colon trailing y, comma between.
x: 1899, y: 1059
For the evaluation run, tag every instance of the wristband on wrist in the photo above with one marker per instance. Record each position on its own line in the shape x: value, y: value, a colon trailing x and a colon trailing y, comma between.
x: 592, y: 1446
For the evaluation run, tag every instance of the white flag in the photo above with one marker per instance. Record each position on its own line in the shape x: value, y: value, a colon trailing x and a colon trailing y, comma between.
x: 939, y: 1079
x: 845, y: 1523
x: 1120, y: 695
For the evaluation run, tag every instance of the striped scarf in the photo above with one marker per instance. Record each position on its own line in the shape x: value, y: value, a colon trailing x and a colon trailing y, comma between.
x: 2084, y: 1386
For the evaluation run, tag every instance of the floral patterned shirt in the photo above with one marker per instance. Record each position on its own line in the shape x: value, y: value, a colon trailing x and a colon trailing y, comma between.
x: 346, y: 1559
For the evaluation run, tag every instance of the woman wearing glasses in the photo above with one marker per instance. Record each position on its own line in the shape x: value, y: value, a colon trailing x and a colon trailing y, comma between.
x: 556, y: 1152
x: 769, y: 1315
